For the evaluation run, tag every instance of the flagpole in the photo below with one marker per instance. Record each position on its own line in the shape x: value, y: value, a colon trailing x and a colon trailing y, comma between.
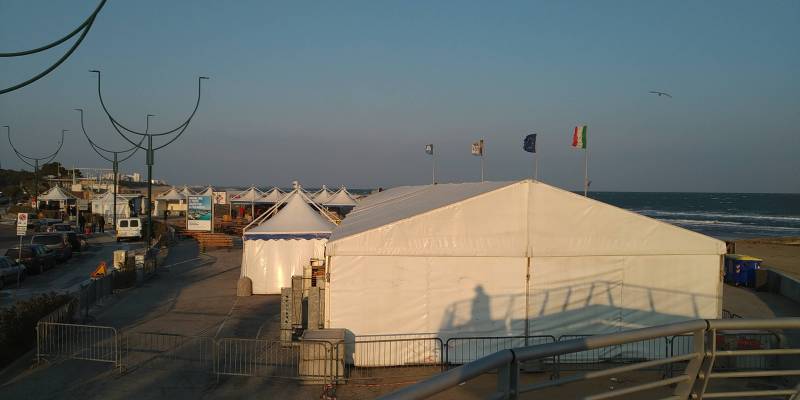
x: 586, y: 172
x: 481, y: 167
x: 535, y: 167
x: 433, y: 157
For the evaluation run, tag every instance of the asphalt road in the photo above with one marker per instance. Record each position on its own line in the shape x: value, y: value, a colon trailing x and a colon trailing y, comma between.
x: 66, y: 276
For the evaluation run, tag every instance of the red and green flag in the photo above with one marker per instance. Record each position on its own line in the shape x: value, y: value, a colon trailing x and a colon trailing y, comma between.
x: 579, y: 137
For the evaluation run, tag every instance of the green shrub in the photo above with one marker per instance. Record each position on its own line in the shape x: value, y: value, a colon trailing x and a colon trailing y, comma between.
x: 18, y: 324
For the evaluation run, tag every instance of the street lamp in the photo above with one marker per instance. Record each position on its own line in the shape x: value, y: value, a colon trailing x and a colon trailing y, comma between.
x: 119, y: 127
x: 24, y: 158
x: 114, y: 161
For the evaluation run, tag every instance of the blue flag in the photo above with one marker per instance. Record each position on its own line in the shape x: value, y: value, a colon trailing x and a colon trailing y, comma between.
x: 530, y: 143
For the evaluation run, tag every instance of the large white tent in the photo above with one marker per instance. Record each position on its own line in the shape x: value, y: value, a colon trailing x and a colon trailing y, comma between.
x: 512, y: 258
x: 282, y: 245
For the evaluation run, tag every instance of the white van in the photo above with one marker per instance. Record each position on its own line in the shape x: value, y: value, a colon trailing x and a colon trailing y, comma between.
x: 129, y: 228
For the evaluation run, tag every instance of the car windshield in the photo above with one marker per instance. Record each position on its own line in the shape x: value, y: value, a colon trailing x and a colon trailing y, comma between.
x: 47, y: 239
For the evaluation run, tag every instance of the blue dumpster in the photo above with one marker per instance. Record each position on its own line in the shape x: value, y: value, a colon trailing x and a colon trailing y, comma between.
x: 740, y: 270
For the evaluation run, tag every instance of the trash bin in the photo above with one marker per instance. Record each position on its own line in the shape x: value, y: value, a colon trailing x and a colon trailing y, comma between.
x: 740, y: 270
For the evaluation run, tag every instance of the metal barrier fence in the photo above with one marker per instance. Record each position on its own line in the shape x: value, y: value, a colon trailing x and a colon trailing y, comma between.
x: 95, y: 290
x: 79, y: 342
x: 461, y: 350
x: 311, y: 361
x: 382, y: 358
x: 701, y: 358
x: 62, y: 314
x: 166, y: 351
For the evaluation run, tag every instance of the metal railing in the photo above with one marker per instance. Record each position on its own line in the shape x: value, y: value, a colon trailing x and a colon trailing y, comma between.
x: 165, y: 351
x: 78, y: 342
x: 311, y: 361
x: 62, y: 314
x: 388, y: 358
x: 692, y: 382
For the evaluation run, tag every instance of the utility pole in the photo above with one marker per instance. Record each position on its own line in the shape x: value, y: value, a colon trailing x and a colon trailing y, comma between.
x: 150, y: 148
x: 24, y: 158
x: 114, y: 161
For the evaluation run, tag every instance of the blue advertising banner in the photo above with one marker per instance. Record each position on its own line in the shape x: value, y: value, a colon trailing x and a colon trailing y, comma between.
x: 199, y: 214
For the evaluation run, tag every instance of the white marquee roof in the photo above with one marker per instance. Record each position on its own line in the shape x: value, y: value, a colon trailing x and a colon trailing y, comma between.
x: 251, y: 195
x: 322, y: 195
x: 185, y: 191
x: 171, y: 195
x: 514, y: 219
x: 209, y: 191
x: 273, y: 196
x: 296, y: 217
x: 341, y: 198
x: 57, y: 193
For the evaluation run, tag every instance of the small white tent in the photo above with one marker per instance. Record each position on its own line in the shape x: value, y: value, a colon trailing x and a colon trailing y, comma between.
x: 513, y: 258
x: 57, y: 193
x: 250, y: 196
x: 209, y: 191
x: 186, y: 191
x: 274, y: 196
x: 322, y: 195
x: 342, y: 199
x: 172, y: 200
x: 104, y: 205
x: 282, y: 245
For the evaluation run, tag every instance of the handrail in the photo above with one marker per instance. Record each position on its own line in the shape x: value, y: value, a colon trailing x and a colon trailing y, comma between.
x: 511, y: 358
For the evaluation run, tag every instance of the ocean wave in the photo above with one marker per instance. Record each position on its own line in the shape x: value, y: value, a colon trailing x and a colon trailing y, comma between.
x: 716, y: 216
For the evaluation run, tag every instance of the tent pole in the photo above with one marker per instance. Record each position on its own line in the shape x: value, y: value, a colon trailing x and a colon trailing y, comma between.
x: 586, y: 172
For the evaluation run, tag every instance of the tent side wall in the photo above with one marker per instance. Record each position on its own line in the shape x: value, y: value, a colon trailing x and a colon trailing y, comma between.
x: 270, y: 264
x: 448, y: 296
x: 605, y: 294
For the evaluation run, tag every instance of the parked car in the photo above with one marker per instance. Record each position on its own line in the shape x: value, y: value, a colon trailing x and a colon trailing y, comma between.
x: 74, y: 240
x: 10, y: 271
x: 35, y: 257
x: 56, y: 242
x: 129, y: 228
x: 62, y: 228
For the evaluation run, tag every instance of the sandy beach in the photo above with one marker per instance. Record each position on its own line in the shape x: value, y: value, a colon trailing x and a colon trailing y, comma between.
x: 779, y: 254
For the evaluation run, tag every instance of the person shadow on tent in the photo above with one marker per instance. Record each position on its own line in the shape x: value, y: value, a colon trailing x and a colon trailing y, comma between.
x: 480, y: 310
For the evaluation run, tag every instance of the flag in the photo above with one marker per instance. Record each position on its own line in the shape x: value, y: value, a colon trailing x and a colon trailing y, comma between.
x: 429, y: 149
x: 530, y: 143
x: 579, y: 137
x: 477, y: 148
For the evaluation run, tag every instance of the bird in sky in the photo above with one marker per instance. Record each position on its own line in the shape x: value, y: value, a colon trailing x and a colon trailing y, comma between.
x: 660, y: 93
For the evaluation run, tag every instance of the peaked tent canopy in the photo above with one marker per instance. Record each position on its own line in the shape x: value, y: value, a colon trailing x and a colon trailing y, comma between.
x: 57, y: 193
x: 171, y: 195
x: 513, y: 258
x: 209, y: 191
x: 185, y: 191
x: 341, y: 198
x: 322, y: 195
x: 284, y: 245
x: 251, y: 195
x: 274, y: 196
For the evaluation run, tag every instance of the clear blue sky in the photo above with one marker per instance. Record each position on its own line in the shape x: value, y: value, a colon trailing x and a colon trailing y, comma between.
x: 350, y: 92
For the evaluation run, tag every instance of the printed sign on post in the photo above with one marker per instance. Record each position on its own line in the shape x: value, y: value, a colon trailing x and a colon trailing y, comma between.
x: 220, y: 197
x: 198, y: 213
x: 22, y: 224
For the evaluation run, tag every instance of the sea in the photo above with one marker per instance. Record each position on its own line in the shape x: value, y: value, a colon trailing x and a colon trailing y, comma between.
x: 725, y: 216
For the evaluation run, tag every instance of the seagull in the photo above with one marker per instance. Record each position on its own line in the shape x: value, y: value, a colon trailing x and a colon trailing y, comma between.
x: 660, y: 93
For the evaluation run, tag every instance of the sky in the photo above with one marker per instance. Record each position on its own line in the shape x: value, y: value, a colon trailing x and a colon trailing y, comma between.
x: 349, y: 93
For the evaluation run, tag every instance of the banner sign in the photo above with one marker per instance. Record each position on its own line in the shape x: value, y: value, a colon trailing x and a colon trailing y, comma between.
x: 220, y: 197
x: 477, y: 148
x: 429, y: 149
x: 83, y: 205
x: 199, y: 216
x: 22, y: 224
x: 529, y: 144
